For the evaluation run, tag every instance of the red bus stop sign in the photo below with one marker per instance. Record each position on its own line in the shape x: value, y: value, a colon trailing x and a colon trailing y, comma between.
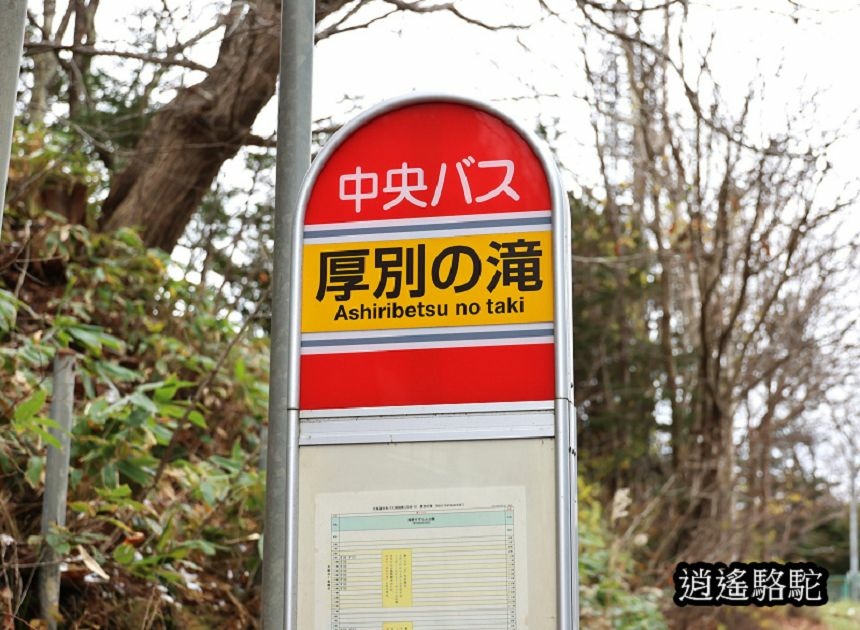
x: 427, y: 266
x: 431, y: 375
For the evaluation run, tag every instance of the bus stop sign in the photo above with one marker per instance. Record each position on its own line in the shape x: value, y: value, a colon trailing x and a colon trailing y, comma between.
x: 431, y: 377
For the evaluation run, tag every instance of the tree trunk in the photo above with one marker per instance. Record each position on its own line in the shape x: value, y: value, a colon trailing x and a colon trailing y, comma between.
x: 185, y: 144
x: 187, y: 141
x: 44, y: 68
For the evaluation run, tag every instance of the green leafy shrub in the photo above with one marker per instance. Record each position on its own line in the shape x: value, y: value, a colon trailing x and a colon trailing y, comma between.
x: 606, y: 597
x: 165, y: 497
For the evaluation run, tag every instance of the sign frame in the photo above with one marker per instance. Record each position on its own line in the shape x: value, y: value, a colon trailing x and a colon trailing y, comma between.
x: 555, y: 419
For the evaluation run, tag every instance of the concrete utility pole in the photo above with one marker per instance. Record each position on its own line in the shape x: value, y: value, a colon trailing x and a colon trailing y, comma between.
x: 294, y: 150
x: 12, y: 15
x: 57, y: 481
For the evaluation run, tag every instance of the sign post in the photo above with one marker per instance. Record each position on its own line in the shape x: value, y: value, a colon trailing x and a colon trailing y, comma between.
x: 294, y: 150
x: 431, y: 377
x: 14, y: 13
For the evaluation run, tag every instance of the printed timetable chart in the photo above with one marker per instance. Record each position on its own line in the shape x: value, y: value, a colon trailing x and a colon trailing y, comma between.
x: 427, y: 564
x: 466, y: 566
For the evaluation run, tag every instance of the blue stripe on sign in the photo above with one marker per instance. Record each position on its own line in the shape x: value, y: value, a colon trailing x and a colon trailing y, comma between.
x: 457, y: 336
x: 394, y: 229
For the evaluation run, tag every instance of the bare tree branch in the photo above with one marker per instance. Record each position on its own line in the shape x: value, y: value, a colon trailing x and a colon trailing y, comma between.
x: 450, y: 7
x: 38, y: 48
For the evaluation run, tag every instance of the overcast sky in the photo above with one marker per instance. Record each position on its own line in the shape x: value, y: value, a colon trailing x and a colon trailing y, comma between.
x: 535, y: 74
x: 801, y: 54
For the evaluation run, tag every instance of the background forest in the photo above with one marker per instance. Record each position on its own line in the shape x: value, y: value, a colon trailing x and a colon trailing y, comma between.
x: 714, y: 329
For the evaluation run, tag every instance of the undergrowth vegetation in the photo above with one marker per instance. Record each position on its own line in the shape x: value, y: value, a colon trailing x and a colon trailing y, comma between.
x: 612, y: 595
x: 166, y: 495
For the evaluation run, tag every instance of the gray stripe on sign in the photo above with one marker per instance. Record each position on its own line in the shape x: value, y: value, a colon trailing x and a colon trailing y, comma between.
x: 457, y: 336
x: 394, y: 229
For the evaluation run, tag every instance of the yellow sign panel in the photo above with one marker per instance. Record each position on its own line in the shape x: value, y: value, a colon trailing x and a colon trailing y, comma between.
x: 396, y: 578
x: 474, y: 280
x: 397, y: 625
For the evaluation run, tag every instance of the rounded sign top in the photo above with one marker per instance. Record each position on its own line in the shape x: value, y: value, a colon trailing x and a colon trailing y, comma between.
x: 427, y: 267
x: 425, y: 160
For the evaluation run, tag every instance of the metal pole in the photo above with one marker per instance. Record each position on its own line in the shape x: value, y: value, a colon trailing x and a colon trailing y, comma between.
x: 12, y: 16
x: 854, y: 566
x: 56, y: 482
x: 565, y: 417
x: 294, y: 149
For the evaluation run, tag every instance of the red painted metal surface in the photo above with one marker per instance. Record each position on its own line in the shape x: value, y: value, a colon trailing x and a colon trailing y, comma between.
x: 431, y: 376
x: 427, y: 136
